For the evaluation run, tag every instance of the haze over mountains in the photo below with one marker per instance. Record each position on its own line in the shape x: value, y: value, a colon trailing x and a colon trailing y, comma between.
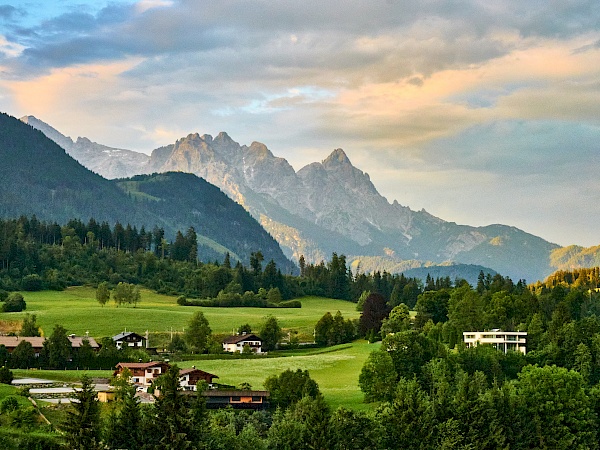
x: 325, y: 207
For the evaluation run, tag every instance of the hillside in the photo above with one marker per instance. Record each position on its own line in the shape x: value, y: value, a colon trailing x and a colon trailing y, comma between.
x: 574, y: 256
x: 40, y: 178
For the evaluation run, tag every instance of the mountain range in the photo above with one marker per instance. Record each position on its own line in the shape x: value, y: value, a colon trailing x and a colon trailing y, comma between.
x: 325, y: 207
x: 40, y: 178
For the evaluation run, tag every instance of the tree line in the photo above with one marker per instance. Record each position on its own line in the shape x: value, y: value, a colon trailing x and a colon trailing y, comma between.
x: 37, y: 255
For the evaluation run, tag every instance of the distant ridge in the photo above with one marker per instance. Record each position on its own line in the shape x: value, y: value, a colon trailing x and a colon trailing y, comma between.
x: 106, y: 161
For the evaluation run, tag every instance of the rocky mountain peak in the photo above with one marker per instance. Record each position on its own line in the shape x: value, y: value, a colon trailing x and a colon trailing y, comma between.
x: 337, y: 158
x: 324, y: 207
x: 64, y: 141
x: 260, y: 150
x: 224, y: 138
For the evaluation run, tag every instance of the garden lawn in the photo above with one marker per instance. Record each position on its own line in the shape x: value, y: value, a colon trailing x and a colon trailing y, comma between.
x: 78, y: 311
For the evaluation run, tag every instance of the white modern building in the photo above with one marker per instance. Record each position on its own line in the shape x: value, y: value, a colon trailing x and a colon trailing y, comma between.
x: 506, y: 341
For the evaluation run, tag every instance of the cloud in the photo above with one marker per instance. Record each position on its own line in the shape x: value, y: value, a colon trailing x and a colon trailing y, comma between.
x: 9, y: 12
x: 145, y: 5
x: 430, y: 97
x: 428, y: 35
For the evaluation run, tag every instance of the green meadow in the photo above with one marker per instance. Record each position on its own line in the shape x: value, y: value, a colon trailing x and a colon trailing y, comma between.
x: 335, y: 369
x: 78, y: 311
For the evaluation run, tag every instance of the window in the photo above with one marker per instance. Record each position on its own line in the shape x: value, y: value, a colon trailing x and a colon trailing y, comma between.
x: 236, y: 399
x: 256, y: 399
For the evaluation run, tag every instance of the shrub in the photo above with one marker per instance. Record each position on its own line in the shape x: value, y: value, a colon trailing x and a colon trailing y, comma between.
x: 291, y: 304
x: 9, y: 404
x: 14, y: 303
x: 23, y: 417
x: 6, y: 375
x: 31, y: 282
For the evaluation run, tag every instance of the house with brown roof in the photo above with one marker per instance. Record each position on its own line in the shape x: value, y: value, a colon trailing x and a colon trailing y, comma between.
x: 77, y: 342
x: 237, y: 343
x: 188, y: 378
x: 143, y: 374
x: 11, y: 342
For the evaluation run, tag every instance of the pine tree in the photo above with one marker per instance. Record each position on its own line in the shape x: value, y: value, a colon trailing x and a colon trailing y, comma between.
x: 82, y: 425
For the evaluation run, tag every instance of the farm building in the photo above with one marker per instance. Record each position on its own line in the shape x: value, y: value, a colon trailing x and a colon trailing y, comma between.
x: 11, y: 342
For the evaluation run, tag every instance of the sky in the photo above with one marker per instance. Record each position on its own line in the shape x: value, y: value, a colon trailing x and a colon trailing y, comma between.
x: 478, y: 111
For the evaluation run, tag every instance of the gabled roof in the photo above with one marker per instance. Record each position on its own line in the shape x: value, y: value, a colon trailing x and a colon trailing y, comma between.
x: 38, y: 342
x: 125, y: 334
x: 138, y: 365
x: 183, y: 372
x: 13, y: 341
x: 77, y: 341
x: 240, y: 338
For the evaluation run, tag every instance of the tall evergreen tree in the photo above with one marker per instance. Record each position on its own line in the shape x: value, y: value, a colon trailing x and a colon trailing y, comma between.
x: 58, y: 348
x: 82, y: 424
x: 172, y: 415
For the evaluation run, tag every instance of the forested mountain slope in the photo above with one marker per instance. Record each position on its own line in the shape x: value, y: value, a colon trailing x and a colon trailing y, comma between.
x: 39, y: 178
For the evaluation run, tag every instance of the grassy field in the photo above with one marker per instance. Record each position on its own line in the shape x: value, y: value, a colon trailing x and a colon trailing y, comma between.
x: 335, y: 369
x: 78, y: 311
